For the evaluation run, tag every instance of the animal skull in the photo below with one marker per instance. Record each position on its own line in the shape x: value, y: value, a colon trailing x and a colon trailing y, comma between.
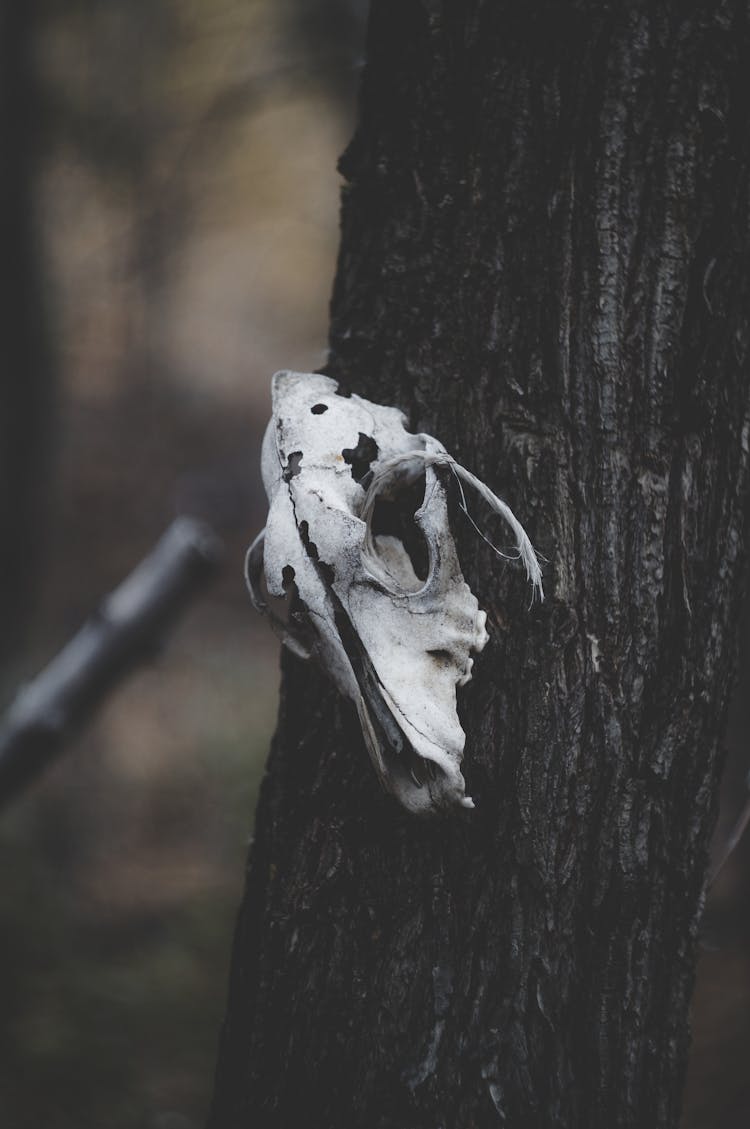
x: 358, y: 543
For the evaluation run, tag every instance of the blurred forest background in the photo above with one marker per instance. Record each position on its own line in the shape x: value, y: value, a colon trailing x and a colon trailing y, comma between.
x: 168, y: 232
x: 168, y: 237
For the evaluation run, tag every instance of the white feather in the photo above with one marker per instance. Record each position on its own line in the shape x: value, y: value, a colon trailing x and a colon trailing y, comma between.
x: 409, y: 465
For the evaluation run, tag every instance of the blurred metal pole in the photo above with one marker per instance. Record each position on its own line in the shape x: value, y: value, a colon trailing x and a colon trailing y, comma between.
x: 126, y: 630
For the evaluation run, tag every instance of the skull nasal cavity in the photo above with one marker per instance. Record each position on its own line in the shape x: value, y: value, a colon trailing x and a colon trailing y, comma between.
x: 393, y: 515
x: 361, y: 457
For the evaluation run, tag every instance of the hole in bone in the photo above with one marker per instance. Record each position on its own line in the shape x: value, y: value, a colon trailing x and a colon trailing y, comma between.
x: 398, y: 540
x: 318, y: 409
x: 324, y: 569
x: 289, y: 611
x: 327, y: 572
x: 361, y: 457
x: 291, y: 470
x: 310, y: 546
x: 298, y: 622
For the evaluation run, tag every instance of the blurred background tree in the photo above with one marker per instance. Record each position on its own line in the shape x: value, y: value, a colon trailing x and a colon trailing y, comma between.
x: 26, y: 384
x: 169, y: 230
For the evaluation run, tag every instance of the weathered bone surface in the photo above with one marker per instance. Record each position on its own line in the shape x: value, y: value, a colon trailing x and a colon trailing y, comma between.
x: 359, y: 547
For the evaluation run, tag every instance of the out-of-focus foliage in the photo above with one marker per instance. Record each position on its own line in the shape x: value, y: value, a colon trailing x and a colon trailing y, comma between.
x: 185, y: 198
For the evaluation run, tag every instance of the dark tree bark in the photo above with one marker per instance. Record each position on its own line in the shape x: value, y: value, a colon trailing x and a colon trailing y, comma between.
x: 545, y: 262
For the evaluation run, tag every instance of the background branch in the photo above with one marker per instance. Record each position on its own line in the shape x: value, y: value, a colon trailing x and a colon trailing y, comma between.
x: 127, y: 629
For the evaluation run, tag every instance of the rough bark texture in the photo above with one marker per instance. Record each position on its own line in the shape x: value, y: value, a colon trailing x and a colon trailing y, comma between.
x: 545, y: 262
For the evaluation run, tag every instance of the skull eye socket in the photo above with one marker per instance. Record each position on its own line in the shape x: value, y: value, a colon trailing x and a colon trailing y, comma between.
x: 361, y: 458
x: 399, y: 543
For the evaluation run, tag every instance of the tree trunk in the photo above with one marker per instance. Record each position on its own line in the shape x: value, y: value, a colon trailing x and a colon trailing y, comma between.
x: 545, y: 262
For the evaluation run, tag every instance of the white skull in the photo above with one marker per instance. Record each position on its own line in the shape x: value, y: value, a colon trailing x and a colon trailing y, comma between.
x: 358, y: 536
